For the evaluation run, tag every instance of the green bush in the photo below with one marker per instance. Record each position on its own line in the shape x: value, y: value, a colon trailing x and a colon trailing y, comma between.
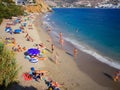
x: 1, y: 47
x: 9, y: 9
x: 8, y: 66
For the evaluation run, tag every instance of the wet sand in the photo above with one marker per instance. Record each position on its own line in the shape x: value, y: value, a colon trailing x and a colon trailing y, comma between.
x: 100, y: 72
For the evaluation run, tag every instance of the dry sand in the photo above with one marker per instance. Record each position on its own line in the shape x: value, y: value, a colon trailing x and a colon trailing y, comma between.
x: 82, y: 76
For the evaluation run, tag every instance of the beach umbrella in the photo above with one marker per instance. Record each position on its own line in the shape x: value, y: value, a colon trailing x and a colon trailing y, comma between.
x: 8, y: 29
x: 17, y: 31
x: 33, y: 51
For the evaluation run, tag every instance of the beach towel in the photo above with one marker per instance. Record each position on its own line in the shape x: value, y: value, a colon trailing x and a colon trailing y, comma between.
x: 41, y: 58
x: 33, y: 60
x: 27, y: 76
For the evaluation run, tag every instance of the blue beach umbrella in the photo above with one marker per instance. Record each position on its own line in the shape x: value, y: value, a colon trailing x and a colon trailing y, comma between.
x: 8, y: 29
x: 17, y: 31
x: 33, y: 51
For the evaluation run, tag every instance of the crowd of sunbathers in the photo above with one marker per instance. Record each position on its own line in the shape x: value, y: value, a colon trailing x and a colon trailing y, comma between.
x: 18, y: 48
x: 38, y: 75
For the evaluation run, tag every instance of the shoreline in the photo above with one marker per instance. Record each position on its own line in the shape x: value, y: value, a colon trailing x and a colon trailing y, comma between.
x: 95, y: 68
x: 70, y: 78
x: 100, y: 72
x: 100, y: 56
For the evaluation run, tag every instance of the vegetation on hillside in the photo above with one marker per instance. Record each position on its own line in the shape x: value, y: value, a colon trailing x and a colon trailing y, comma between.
x: 9, y: 9
x: 8, y: 67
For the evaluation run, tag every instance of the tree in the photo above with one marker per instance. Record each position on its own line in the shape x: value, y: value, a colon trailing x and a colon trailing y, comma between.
x: 9, y: 9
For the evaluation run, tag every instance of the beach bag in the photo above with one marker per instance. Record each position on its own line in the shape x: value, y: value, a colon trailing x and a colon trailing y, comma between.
x: 44, y: 51
x: 51, y: 88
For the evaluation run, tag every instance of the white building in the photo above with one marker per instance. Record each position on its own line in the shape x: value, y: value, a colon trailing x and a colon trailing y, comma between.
x: 21, y: 2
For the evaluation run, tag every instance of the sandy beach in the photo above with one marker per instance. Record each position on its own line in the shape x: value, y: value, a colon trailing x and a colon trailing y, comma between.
x: 84, y: 73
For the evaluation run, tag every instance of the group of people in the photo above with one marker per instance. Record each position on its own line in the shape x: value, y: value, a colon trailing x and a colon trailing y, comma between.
x: 38, y: 75
x: 18, y: 48
x: 61, y: 41
x: 10, y: 40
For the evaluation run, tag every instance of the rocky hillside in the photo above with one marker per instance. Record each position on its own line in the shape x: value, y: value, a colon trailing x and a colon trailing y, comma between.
x: 39, y: 6
x: 84, y: 3
x: 34, y: 5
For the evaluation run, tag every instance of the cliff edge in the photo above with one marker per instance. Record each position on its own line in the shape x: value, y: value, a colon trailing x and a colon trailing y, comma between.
x: 37, y: 7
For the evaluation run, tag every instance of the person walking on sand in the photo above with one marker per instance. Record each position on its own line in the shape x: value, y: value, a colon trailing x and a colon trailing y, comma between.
x: 52, y: 48
x: 56, y: 58
x: 75, y: 53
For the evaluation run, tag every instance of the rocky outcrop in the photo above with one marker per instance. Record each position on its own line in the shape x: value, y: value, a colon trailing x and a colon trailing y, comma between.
x: 37, y: 7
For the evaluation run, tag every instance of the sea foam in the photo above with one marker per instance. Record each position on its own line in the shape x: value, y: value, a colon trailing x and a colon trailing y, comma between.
x: 89, y: 51
x: 85, y: 48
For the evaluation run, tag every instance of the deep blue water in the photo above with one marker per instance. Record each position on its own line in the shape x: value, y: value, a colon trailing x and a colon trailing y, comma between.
x: 95, y: 31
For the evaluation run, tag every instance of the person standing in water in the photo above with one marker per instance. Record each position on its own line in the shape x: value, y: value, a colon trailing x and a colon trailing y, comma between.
x: 75, y: 51
x: 61, y: 41
x: 60, y: 34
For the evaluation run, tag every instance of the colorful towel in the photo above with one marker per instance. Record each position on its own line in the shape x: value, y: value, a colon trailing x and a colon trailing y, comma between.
x: 27, y: 76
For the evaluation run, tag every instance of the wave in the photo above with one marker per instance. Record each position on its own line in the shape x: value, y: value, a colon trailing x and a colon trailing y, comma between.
x: 47, y: 24
x: 89, y: 51
x: 46, y: 15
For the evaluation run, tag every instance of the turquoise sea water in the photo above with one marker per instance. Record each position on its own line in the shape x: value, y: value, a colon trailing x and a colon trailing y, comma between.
x: 94, y: 31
